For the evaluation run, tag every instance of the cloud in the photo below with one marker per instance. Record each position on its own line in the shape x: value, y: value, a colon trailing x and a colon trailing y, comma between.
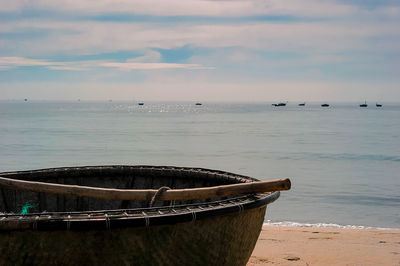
x: 131, y: 64
x: 150, y: 66
x: 149, y: 56
x: 100, y: 37
x: 66, y: 68
x: 313, y: 40
x: 226, y: 8
x: 342, y: 27
x: 15, y: 61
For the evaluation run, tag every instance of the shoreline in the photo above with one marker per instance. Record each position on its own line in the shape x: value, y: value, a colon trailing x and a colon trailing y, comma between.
x: 326, y: 225
x: 306, y: 245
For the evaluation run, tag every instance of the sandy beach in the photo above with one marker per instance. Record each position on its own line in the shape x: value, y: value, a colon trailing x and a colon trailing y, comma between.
x: 326, y: 246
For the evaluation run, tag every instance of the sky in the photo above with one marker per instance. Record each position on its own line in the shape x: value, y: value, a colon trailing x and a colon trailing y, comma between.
x: 200, y: 50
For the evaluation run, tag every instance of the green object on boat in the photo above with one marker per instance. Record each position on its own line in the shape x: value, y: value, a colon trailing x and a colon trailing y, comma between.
x: 26, y: 207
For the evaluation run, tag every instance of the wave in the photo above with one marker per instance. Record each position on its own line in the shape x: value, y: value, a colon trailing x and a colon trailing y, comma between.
x: 340, y: 156
x: 323, y: 225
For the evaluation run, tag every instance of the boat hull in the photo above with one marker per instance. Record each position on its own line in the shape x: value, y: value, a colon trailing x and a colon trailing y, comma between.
x: 71, y: 230
x: 221, y: 240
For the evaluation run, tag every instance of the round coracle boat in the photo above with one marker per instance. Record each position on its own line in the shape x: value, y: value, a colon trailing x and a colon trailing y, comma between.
x: 131, y: 215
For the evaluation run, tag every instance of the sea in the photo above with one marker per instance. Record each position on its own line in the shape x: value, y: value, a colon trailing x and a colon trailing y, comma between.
x: 343, y: 160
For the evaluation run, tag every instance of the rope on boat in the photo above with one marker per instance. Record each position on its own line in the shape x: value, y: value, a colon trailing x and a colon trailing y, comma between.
x: 108, y: 223
x: 159, y: 192
x: 193, y: 216
x: 69, y: 222
x: 34, y: 226
x: 241, y: 208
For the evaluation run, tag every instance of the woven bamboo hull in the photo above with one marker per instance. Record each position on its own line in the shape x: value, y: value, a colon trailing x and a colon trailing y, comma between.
x: 221, y: 240
x: 70, y: 230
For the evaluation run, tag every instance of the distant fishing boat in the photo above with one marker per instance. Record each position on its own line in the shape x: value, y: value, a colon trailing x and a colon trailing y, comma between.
x: 378, y: 105
x: 325, y: 105
x: 279, y: 104
x: 131, y: 215
x: 364, y: 104
x: 141, y: 103
x: 199, y: 104
x: 302, y: 104
x: 25, y: 100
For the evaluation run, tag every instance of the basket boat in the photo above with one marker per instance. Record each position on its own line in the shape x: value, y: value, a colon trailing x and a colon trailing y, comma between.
x: 68, y: 228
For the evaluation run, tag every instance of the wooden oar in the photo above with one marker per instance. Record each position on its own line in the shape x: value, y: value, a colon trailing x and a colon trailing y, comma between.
x: 147, y: 194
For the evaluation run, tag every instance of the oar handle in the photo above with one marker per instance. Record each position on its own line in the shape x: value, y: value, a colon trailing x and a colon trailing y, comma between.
x: 147, y: 194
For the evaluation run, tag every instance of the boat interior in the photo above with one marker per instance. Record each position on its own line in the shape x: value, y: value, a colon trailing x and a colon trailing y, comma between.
x: 121, y: 177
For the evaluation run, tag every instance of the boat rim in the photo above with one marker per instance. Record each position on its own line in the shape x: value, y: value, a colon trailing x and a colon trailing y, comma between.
x: 137, y: 217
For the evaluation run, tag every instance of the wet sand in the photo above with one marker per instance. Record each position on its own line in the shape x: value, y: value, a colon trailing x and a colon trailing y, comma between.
x: 326, y: 246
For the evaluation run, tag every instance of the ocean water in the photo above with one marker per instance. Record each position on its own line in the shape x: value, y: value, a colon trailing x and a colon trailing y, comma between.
x: 343, y: 161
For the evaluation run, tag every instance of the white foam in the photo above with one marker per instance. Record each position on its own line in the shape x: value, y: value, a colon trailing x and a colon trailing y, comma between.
x: 323, y: 225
